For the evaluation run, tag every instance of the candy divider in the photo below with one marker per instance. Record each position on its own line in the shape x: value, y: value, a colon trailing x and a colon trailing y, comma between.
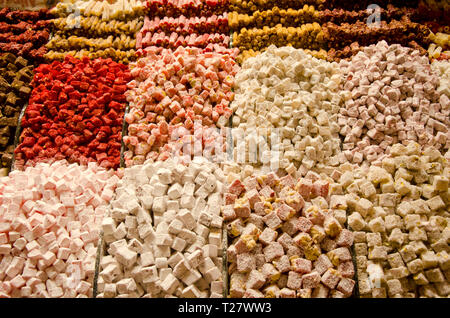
x: 100, y: 250
x: 17, y: 135
x: 124, y: 133
x: 225, y: 261
x: 355, y: 293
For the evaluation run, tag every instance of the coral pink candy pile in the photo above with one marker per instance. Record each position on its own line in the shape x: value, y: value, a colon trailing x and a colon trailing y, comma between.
x: 174, y: 88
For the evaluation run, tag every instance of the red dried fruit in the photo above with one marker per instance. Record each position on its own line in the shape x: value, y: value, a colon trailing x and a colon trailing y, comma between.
x: 75, y: 112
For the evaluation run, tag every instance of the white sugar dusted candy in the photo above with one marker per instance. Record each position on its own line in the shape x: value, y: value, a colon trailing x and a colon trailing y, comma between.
x: 179, y: 252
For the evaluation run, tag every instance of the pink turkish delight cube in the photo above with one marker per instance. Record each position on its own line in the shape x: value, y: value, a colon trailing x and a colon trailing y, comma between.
x: 268, y: 236
x: 272, y: 220
x: 259, y: 208
x: 304, y: 224
x: 228, y: 213
x: 267, y: 192
x: 285, y: 240
x: 294, y: 280
x: 302, y: 265
x: 282, y: 264
x: 322, y: 264
x: 345, y: 238
x: 290, y: 226
x: 236, y: 187
x: 346, y: 286
x: 251, y: 184
x: 253, y: 197
x: 242, y: 210
x: 304, y: 188
x: 330, y: 278
x: 287, y: 181
x: 346, y: 269
x: 229, y: 198
x: 320, y: 188
x: 311, y: 280
x: 245, y: 262
x: 285, y: 212
x: 273, y: 250
x: 287, y: 292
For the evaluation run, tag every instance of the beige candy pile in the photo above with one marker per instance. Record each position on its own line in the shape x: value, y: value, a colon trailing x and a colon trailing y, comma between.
x: 288, y: 90
x: 96, y: 29
x: 400, y: 215
x: 287, y: 239
x: 105, y: 10
x: 180, y: 255
x: 442, y: 69
x: 391, y: 96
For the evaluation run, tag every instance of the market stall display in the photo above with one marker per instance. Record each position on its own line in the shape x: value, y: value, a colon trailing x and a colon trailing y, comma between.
x: 225, y: 148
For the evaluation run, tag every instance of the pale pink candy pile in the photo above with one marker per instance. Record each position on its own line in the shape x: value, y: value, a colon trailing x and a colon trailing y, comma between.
x: 173, y: 89
x: 391, y: 96
x: 185, y: 25
x: 212, y: 47
x: 50, y: 219
x: 173, y: 39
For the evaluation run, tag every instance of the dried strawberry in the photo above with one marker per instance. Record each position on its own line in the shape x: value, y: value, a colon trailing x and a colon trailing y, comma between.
x: 75, y: 112
x: 28, y: 141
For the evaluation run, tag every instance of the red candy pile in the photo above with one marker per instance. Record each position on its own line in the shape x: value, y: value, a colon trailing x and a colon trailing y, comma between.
x: 24, y: 33
x: 75, y: 112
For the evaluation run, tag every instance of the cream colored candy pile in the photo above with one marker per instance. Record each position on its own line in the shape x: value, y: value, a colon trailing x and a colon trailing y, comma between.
x: 400, y: 215
x: 288, y: 91
x: 106, y: 10
x: 442, y: 69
